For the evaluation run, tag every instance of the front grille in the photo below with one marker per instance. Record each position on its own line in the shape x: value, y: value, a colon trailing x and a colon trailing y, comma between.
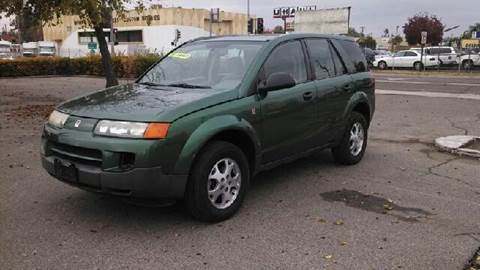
x: 77, y: 154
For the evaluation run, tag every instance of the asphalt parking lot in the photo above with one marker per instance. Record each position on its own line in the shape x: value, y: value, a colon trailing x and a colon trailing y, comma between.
x: 405, y: 206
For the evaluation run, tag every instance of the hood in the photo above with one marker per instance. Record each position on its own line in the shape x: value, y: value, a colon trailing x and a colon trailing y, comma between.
x: 136, y: 102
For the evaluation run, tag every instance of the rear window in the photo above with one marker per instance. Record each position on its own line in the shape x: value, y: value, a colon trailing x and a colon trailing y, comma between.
x: 355, y: 55
x: 440, y: 50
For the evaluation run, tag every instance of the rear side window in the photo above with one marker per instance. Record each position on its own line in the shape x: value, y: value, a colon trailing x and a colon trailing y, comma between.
x: 355, y: 55
x: 340, y: 68
x: 321, y: 58
x: 410, y: 54
x: 289, y: 58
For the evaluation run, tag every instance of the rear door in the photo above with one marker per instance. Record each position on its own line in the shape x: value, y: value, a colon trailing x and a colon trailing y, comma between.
x: 333, y: 86
x: 410, y: 58
x: 289, y: 115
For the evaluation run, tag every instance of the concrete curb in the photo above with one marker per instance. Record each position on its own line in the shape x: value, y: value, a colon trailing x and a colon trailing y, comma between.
x: 459, y: 145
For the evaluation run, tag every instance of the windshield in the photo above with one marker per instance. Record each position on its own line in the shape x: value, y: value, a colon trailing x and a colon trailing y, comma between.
x: 218, y: 65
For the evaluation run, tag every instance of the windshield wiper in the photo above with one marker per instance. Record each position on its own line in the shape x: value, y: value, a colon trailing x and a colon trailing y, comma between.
x: 187, y: 85
x: 151, y: 84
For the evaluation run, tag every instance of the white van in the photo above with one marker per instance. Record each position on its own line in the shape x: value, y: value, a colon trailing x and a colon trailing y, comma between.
x: 46, y: 48
x: 446, y: 55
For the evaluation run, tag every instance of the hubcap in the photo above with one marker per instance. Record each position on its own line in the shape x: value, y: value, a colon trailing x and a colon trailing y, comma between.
x: 224, y: 183
x: 356, y: 139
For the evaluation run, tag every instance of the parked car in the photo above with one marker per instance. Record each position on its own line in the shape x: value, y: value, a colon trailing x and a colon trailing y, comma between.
x: 470, y: 60
x: 210, y: 115
x: 406, y: 59
x: 369, y: 55
x: 446, y: 55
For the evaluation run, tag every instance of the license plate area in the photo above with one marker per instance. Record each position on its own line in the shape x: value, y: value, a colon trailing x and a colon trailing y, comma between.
x: 66, y: 171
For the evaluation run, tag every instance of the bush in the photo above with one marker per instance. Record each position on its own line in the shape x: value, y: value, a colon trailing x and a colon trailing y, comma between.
x: 125, y: 66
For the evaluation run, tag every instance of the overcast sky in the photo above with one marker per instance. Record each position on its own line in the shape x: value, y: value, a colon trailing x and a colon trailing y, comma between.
x: 375, y: 15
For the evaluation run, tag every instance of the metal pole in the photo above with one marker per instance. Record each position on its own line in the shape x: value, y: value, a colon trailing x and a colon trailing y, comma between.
x: 248, y: 14
x: 248, y: 9
x: 421, y: 58
x: 211, y: 20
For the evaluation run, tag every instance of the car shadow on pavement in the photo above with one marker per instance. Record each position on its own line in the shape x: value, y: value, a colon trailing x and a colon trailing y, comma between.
x: 143, y: 213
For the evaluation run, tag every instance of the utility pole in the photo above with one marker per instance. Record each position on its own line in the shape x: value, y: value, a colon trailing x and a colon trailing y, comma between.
x: 248, y: 12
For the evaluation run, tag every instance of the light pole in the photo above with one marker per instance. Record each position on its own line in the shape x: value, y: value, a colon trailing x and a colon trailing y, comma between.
x: 248, y: 14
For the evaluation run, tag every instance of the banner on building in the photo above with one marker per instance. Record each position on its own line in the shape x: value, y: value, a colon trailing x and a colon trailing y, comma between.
x: 323, y: 21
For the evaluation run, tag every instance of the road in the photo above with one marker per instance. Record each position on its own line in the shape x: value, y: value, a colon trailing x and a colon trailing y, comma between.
x: 405, y: 206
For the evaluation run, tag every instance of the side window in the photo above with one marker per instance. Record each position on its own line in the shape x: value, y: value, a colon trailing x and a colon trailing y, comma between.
x: 321, y: 58
x: 355, y: 54
x: 400, y: 54
x: 410, y: 54
x: 339, y: 66
x: 288, y: 58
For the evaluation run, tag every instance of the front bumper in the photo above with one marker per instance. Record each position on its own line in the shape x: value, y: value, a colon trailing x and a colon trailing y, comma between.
x: 137, y: 182
x: 125, y: 167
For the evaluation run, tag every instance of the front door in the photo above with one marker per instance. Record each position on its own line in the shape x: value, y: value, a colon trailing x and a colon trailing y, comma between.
x: 289, y: 114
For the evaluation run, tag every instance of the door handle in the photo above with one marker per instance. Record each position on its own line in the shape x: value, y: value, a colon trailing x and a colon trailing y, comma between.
x: 307, y: 96
x: 347, y: 87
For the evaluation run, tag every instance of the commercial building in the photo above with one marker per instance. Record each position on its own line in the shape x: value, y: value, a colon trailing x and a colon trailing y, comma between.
x: 151, y: 30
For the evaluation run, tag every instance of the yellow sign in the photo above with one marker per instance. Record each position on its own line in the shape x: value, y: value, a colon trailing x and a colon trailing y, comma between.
x: 180, y: 55
x: 470, y: 43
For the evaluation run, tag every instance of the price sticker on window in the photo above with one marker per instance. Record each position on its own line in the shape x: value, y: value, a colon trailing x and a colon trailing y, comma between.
x: 180, y: 55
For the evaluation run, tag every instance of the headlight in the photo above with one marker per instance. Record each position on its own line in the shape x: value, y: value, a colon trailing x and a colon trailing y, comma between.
x: 132, y: 129
x: 57, y: 119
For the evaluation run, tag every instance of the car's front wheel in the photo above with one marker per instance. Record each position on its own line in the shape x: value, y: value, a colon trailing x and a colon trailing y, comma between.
x: 354, y: 142
x: 382, y: 65
x: 418, y: 66
x: 218, y: 182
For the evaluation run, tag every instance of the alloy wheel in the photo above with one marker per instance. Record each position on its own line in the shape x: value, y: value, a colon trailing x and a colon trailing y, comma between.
x: 356, y: 141
x: 224, y: 182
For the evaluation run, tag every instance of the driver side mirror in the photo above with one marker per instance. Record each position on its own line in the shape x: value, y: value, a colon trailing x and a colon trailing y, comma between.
x: 277, y: 81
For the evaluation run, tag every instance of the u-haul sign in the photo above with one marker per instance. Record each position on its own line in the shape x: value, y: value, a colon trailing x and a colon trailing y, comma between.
x: 289, y: 12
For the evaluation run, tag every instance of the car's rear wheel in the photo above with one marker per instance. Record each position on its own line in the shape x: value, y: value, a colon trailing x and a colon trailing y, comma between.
x: 467, y: 64
x: 354, y: 142
x: 382, y: 65
x: 218, y: 182
x: 418, y: 66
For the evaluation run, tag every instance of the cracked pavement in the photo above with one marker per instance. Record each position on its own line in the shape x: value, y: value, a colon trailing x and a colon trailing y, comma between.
x: 405, y: 206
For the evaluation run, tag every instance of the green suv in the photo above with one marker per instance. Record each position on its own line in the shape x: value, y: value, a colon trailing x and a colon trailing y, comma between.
x: 211, y: 114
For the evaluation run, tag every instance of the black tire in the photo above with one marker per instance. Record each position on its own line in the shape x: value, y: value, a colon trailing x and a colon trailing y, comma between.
x: 196, y: 195
x: 382, y: 65
x: 467, y: 64
x: 418, y: 66
x: 342, y: 153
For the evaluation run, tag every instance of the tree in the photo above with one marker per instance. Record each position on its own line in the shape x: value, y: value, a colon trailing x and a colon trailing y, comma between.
x: 92, y: 13
x: 423, y: 22
x: 367, y: 42
x: 278, y: 29
x: 353, y: 33
x: 472, y: 28
x: 386, y: 32
x: 396, y: 40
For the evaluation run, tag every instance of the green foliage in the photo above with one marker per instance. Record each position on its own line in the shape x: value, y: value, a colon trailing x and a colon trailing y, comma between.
x: 353, y: 33
x: 472, y: 28
x: 396, y: 40
x: 128, y: 67
x: 367, y: 42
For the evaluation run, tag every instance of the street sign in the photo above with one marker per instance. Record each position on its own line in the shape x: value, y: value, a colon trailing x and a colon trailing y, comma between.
x: 475, y: 35
x: 424, y: 38
x: 215, y: 15
x: 92, y: 46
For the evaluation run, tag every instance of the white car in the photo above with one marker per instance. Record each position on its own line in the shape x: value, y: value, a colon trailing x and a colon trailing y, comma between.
x: 406, y: 59
x: 468, y: 61
x: 447, y: 55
